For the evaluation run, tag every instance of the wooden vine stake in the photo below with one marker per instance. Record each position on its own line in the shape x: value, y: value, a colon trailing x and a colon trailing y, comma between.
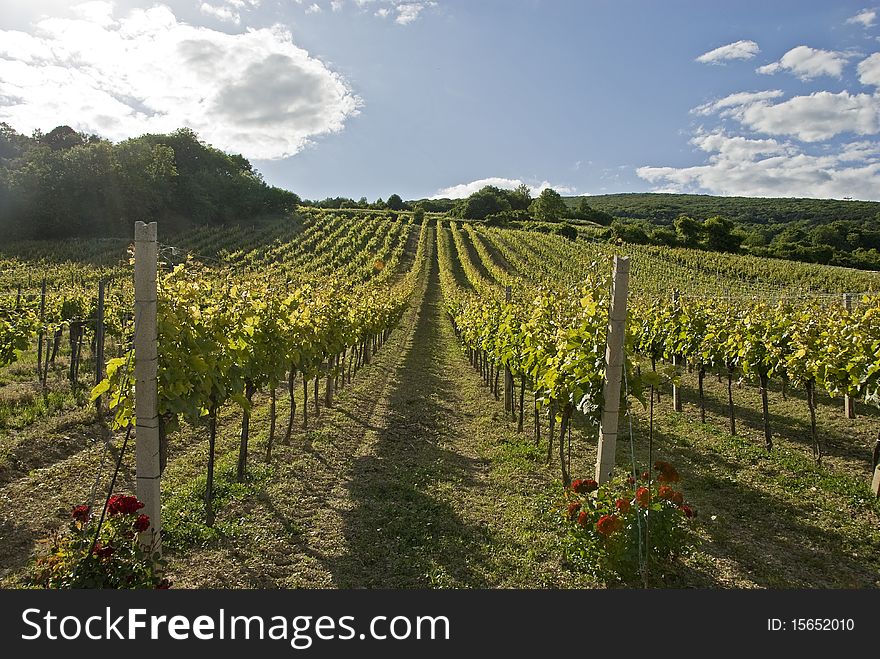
x: 875, y: 484
x: 99, y: 342
x: 676, y: 361
x: 508, y: 376
x: 613, y: 371
x: 849, y: 408
x: 146, y: 381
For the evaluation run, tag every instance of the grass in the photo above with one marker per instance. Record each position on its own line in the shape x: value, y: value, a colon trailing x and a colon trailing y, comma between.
x: 773, y: 519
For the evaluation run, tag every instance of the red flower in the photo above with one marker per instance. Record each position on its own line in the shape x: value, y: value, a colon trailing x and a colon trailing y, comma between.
x: 688, y: 511
x: 121, y: 504
x: 608, y: 524
x: 668, y: 473
x: 646, y: 476
x: 573, y: 509
x: 584, y: 518
x: 164, y: 585
x: 623, y: 506
x: 643, y: 496
x: 584, y: 486
x: 630, y: 480
x: 81, y: 513
x: 142, y: 523
x: 103, y: 552
x: 665, y: 492
x: 678, y: 499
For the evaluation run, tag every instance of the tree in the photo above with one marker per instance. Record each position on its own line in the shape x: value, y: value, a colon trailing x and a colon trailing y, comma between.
x: 629, y: 232
x: 61, y: 184
x: 520, y: 198
x: 62, y: 137
x: 488, y: 200
x: 664, y: 236
x: 586, y: 212
x: 549, y: 206
x: 719, y: 235
x: 395, y: 203
x: 688, y: 230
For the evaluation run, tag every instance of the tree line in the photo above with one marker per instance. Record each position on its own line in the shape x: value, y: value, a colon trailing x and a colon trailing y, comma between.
x: 826, y: 231
x: 65, y: 183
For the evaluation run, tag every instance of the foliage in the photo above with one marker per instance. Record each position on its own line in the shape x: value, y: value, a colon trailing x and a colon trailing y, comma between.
x: 18, y: 325
x: 615, y: 528
x: 548, y: 207
x: 66, y: 184
x: 589, y: 214
x: 823, y: 231
x: 116, y: 560
x: 395, y: 203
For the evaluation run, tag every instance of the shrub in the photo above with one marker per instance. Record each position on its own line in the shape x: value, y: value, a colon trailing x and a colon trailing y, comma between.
x: 115, y: 560
x: 615, y: 528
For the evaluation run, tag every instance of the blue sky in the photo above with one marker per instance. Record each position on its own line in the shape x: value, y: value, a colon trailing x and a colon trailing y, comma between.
x: 425, y: 98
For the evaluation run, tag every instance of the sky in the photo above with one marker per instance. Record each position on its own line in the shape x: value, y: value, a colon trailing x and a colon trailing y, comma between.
x: 432, y: 98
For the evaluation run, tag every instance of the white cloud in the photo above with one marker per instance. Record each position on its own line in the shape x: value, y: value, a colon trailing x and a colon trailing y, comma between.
x: 407, y: 12
x: 256, y: 93
x: 765, y: 168
x: 869, y: 70
x: 221, y: 13
x: 866, y: 17
x: 404, y: 11
x: 463, y: 190
x: 730, y: 104
x: 313, y: 8
x: 543, y: 185
x: 819, y: 116
x: 807, y: 63
x: 100, y: 13
x: 738, y: 50
x: 229, y: 11
x: 336, y: 5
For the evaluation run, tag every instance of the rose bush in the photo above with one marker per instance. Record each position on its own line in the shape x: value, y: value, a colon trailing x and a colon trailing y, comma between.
x: 116, y: 559
x: 615, y: 528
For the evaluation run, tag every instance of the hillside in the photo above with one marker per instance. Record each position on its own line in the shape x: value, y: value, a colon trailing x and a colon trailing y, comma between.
x: 664, y: 208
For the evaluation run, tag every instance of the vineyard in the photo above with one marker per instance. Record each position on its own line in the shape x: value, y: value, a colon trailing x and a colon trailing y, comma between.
x: 351, y: 399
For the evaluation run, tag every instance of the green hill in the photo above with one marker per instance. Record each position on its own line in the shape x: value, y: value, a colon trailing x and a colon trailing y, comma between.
x: 664, y: 208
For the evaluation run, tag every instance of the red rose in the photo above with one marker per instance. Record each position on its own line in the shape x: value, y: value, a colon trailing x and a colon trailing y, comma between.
x: 81, y: 513
x: 646, y: 476
x: 121, y: 504
x: 688, y: 511
x: 164, y: 585
x: 584, y: 518
x: 142, y: 523
x: 573, y: 509
x: 103, y: 552
x: 678, y: 499
x: 630, y: 480
x: 584, y: 486
x: 643, y: 497
x: 623, y: 506
x: 668, y: 473
x: 608, y: 524
x: 665, y: 492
